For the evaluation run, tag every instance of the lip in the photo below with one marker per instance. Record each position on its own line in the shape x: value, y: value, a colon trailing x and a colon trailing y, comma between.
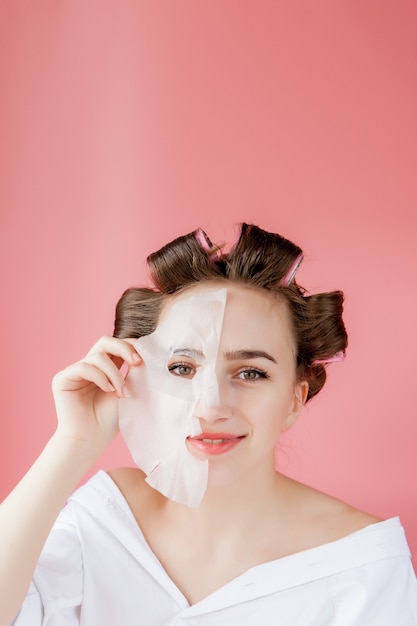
x: 212, y: 444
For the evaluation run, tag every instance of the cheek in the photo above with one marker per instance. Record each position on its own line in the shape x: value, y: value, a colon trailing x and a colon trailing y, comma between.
x: 268, y: 407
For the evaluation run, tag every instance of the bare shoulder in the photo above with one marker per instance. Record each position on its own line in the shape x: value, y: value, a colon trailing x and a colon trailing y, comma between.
x: 324, y: 518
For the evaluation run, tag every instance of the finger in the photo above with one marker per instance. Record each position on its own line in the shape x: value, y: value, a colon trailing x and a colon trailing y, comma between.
x: 105, y: 363
x: 80, y: 375
x: 119, y: 349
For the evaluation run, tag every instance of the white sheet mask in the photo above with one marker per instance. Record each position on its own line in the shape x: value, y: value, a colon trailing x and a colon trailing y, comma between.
x: 160, y: 413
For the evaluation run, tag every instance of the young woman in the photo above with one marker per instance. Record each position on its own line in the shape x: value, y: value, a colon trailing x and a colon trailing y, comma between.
x: 205, y: 370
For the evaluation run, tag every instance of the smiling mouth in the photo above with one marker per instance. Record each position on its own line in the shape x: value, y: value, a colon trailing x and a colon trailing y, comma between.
x: 217, y: 443
x: 216, y: 438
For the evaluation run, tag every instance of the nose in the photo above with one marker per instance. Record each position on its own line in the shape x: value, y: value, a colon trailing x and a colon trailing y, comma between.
x: 212, y: 413
x: 212, y: 402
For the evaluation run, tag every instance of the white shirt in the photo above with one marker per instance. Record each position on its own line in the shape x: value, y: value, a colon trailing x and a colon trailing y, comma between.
x: 97, y: 570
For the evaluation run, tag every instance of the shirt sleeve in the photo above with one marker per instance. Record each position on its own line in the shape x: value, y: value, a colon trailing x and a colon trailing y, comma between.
x: 55, y: 594
x: 381, y: 593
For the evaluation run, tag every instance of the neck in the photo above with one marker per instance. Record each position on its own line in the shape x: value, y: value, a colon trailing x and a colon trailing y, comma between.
x: 246, y: 501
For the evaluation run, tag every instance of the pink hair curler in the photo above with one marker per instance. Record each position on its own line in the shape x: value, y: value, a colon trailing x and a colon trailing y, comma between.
x: 205, y: 243
x: 336, y: 358
x: 289, y: 276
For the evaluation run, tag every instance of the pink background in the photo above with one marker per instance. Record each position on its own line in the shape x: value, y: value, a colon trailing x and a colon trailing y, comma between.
x: 127, y: 123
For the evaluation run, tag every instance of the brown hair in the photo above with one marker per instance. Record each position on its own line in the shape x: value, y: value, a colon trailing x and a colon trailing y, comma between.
x: 260, y: 259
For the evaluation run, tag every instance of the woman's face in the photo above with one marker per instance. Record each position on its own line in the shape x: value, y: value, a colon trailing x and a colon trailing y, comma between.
x: 250, y: 393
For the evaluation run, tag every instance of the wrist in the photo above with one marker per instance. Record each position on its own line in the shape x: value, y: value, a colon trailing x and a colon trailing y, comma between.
x: 71, y: 450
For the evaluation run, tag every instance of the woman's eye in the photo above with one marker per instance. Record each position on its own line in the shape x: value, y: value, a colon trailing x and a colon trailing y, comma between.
x: 182, y: 369
x: 252, y: 374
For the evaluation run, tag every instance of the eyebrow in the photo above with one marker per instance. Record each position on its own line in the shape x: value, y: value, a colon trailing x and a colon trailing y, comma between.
x: 230, y: 355
x: 189, y: 352
x: 233, y: 355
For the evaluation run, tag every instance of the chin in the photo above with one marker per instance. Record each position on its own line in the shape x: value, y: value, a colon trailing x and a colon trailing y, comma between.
x: 219, y: 477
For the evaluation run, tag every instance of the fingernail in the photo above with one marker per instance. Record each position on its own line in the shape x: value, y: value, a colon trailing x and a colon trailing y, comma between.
x: 126, y: 392
x: 124, y: 369
x: 135, y: 357
x: 110, y: 387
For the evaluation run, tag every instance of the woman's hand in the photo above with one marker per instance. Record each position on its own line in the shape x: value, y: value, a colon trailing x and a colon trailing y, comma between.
x: 86, y: 397
x: 87, y: 393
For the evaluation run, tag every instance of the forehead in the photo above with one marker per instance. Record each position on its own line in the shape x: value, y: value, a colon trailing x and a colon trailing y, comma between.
x: 237, y: 298
x: 248, y: 315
